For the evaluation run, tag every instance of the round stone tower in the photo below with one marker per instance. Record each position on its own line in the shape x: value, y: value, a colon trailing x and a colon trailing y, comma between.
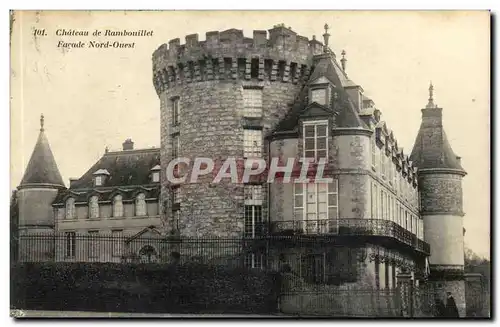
x: 211, y: 93
x: 440, y: 185
x: 36, y: 192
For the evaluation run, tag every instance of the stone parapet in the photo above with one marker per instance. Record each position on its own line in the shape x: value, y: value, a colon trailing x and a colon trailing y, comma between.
x: 228, y: 55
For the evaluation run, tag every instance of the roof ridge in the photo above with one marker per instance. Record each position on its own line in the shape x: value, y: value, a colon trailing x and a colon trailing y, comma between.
x: 125, y: 152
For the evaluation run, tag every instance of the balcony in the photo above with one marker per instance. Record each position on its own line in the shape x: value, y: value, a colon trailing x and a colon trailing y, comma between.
x: 350, y: 227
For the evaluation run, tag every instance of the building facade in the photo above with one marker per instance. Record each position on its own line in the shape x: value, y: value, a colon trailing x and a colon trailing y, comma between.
x: 116, y: 199
x: 286, y: 97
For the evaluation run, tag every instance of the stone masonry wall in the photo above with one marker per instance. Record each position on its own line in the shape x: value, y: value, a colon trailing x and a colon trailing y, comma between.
x: 35, y: 207
x: 212, y: 126
x: 208, y: 78
x: 441, y: 193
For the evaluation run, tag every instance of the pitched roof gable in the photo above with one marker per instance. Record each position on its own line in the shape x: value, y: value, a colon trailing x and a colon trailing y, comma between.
x: 326, y: 69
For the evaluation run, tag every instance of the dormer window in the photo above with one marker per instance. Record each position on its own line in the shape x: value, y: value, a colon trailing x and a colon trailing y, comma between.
x: 100, y: 177
x: 319, y: 96
x: 155, y: 174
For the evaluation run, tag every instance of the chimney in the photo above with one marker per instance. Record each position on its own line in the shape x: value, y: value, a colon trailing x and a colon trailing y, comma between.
x: 72, y: 181
x: 128, y: 145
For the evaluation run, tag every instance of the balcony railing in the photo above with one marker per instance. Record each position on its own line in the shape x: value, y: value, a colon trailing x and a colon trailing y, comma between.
x: 350, y: 227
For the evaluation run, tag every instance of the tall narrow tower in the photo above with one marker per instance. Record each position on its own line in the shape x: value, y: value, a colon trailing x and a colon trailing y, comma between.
x: 38, y: 189
x: 440, y: 186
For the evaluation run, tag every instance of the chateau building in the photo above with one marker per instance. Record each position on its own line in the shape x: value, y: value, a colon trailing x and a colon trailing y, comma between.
x: 284, y: 96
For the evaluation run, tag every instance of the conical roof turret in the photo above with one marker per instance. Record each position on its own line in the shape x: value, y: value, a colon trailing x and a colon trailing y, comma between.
x: 432, y: 149
x: 42, y: 168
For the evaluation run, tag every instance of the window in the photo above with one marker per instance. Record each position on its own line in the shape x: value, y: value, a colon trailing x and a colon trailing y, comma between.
x: 393, y: 267
x: 175, y: 111
x: 415, y: 225
x: 386, y: 274
x: 394, y: 210
x: 253, y: 194
x: 70, y: 244
x: 175, y: 146
x: 382, y: 205
x: 252, y: 142
x: 407, y: 221
x: 420, y: 229
x: 70, y: 208
x: 156, y: 177
x: 94, y: 207
x: 389, y: 169
x: 100, y: 176
x: 389, y: 204
x: 253, y: 221
x: 177, y: 217
x: 252, y: 102
x: 377, y: 274
x: 313, y: 268
x: 298, y: 192
x: 383, y: 164
x: 148, y: 254
x: 118, y: 206
x: 93, y: 244
x: 316, y: 140
x: 254, y: 260
x: 318, y: 207
x: 117, y: 239
x: 319, y: 96
x: 394, y: 176
x: 176, y: 195
x: 374, y: 154
x: 391, y: 208
x: 375, y: 201
x: 140, y: 205
x: 253, y: 210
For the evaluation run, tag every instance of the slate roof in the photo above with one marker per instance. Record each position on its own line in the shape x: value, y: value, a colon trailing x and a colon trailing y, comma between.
x: 432, y: 149
x: 347, y: 115
x: 129, y: 174
x: 42, y: 167
x: 130, y: 167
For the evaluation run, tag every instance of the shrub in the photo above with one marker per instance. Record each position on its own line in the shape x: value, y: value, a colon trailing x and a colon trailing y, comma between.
x: 189, y: 287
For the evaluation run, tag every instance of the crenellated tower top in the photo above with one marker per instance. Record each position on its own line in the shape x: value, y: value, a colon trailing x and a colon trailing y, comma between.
x: 279, y: 54
x: 282, y: 43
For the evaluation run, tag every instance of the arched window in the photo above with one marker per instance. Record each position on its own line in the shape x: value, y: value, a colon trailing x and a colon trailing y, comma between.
x: 94, y: 207
x: 118, y: 206
x: 148, y: 254
x: 70, y: 208
x: 140, y: 205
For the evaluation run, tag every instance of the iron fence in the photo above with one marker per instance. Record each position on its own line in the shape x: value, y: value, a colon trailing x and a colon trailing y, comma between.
x: 351, y: 227
x: 73, y: 247
x: 321, y: 279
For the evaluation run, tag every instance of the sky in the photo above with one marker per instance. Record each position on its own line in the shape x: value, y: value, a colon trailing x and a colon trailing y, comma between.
x: 93, y: 98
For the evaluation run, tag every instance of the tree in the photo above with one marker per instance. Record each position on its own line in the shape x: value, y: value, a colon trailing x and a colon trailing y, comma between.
x: 14, y: 226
